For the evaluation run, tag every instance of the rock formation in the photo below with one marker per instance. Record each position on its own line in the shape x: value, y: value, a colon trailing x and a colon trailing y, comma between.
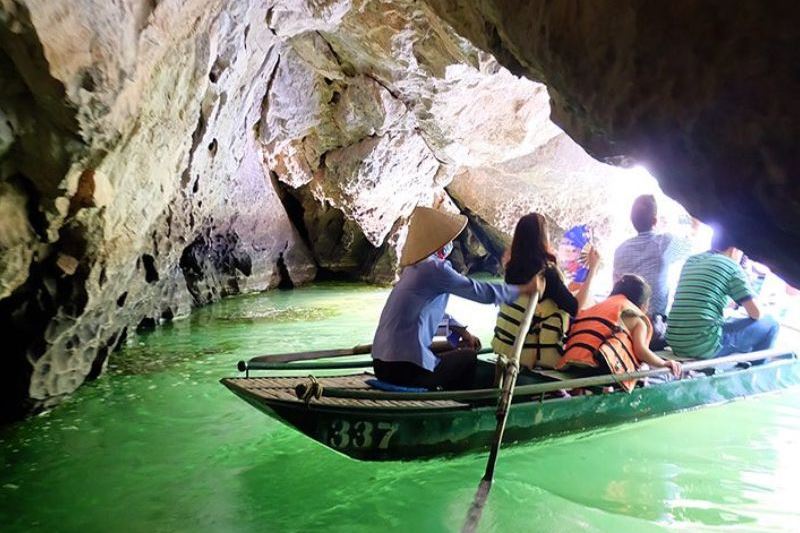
x: 160, y: 155
x: 133, y: 176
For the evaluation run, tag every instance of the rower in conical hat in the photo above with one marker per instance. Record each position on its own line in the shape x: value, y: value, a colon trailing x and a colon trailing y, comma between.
x: 401, y: 350
x: 429, y: 231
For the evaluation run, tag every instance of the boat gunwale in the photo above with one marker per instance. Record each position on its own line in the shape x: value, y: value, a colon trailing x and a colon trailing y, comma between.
x: 788, y: 358
x: 604, y: 379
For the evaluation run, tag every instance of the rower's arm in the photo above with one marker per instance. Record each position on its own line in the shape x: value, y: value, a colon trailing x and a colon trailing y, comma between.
x: 483, y: 292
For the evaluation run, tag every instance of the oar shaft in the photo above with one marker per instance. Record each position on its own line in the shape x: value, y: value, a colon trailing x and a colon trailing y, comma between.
x: 309, y: 365
x: 507, y: 394
x: 359, y: 349
x: 502, y: 417
x: 266, y: 363
x: 509, y: 382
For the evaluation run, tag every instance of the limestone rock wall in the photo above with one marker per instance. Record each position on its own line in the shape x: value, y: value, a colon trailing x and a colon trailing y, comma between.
x: 379, y: 107
x: 344, y: 125
x: 132, y: 174
x: 702, y: 92
x: 148, y: 152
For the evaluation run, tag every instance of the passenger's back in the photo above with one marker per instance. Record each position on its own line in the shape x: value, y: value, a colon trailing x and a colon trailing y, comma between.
x: 706, y: 283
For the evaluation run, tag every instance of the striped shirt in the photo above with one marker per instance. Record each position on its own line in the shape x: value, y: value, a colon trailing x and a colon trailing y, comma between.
x: 650, y: 255
x: 694, y: 327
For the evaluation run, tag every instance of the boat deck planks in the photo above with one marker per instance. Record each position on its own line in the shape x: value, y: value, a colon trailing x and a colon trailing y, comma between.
x: 282, y: 389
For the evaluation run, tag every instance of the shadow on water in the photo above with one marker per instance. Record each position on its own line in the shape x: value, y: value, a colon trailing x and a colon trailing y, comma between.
x: 159, y: 445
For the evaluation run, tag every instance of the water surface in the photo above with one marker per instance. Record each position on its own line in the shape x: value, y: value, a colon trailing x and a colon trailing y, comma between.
x: 159, y: 445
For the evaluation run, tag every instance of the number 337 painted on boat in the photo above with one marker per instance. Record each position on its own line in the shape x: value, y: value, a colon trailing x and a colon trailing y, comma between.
x: 360, y: 434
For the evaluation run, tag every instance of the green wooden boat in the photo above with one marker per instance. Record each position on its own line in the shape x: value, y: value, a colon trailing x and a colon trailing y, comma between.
x: 345, y: 414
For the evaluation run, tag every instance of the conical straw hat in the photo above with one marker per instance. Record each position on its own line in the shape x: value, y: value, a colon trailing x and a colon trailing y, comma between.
x: 428, y: 231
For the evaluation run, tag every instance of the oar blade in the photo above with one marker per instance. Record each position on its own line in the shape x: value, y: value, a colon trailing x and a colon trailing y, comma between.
x: 476, y: 509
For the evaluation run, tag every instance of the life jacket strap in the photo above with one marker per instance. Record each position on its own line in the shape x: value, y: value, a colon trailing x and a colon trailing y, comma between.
x: 531, y: 345
x: 609, y: 324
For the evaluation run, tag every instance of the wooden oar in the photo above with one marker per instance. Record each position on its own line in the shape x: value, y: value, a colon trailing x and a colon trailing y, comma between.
x: 360, y: 349
x: 509, y: 381
x: 267, y: 363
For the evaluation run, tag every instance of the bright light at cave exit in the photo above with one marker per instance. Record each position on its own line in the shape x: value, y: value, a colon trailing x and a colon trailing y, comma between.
x: 629, y: 183
x: 773, y: 294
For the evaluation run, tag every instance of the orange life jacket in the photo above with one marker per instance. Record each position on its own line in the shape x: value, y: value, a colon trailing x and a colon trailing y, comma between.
x: 598, y: 336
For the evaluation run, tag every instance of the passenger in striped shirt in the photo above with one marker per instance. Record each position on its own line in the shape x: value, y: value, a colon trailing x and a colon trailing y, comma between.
x: 696, y: 326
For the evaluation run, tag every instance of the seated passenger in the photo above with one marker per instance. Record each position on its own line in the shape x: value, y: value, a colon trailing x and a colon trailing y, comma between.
x: 416, y: 306
x: 530, y: 253
x: 696, y: 325
x: 617, y: 330
x: 650, y: 255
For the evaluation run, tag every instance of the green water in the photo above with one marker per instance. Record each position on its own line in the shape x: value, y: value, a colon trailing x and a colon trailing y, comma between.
x: 159, y: 445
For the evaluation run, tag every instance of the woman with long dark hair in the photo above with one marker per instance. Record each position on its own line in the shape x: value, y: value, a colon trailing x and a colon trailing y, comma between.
x: 530, y: 253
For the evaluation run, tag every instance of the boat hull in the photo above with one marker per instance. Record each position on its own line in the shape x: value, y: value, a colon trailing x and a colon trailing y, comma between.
x: 375, y: 434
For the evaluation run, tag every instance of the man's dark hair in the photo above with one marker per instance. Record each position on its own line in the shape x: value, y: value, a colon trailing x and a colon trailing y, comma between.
x: 634, y: 288
x: 644, y: 213
x: 721, y: 240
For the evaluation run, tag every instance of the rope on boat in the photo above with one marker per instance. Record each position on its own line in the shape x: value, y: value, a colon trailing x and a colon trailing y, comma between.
x: 500, y: 370
x: 308, y: 391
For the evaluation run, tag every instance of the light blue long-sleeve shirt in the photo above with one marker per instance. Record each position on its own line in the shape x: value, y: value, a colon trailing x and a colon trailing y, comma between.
x: 417, y: 305
x: 649, y: 255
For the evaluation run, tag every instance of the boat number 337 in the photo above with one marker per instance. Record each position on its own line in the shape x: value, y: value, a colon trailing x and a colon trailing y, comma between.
x: 360, y: 434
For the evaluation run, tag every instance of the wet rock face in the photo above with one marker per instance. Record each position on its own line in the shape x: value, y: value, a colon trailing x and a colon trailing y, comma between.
x: 701, y: 93
x: 132, y: 182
